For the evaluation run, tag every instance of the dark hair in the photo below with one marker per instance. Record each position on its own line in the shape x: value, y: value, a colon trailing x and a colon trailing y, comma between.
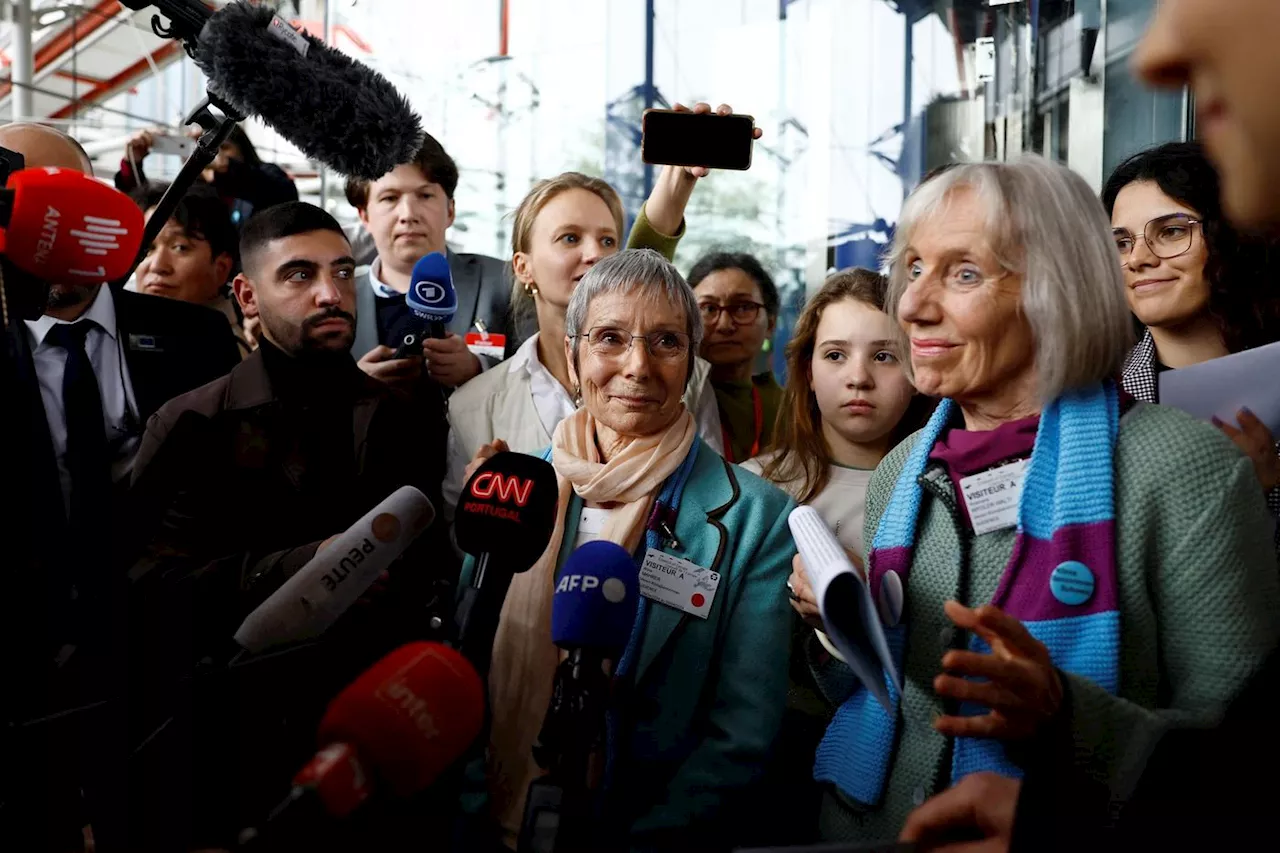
x: 800, y: 450
x: 1238, y: 265
x: 717, y: 261
x: 200, y: 212
x: 436, y: 165
x: 248, y: 153
x: 280, y: 221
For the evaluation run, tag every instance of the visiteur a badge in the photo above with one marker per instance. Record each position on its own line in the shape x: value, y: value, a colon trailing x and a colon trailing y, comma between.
x: 993, y: 496
x: 678, y: 583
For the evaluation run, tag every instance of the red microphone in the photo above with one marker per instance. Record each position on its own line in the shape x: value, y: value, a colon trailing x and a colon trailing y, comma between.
x: 396, y: 728
x: 65, y: 227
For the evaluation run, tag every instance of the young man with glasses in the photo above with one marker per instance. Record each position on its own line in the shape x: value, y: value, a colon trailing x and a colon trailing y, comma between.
x: 739, y: 306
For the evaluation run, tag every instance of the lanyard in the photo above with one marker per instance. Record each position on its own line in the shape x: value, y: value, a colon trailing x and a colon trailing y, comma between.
x: 758, y: 410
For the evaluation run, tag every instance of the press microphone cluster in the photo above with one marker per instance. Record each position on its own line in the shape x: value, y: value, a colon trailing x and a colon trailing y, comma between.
x: 391, y: 733
x: 592, y: 614
x: 309, y: 602
x: 432, y: 299
x: 505, y: 519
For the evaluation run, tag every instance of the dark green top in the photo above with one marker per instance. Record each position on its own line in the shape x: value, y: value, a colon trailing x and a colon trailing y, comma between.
x: 737, y: 413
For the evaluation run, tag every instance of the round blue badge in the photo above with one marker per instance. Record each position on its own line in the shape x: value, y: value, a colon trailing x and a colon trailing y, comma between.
x: 1072, y: 583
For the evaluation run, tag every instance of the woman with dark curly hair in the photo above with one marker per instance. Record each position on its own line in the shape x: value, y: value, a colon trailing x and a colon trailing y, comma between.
x: 1195, y: 283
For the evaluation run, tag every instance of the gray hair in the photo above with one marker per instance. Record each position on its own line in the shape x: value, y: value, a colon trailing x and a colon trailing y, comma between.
x: 1046, y: 225
x: 637, y: 271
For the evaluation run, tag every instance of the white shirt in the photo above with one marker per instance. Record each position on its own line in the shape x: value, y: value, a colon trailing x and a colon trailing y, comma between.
x: 119, y: 408
x: 591, y: 524
x: 551, y: 401
x: 380, y: 287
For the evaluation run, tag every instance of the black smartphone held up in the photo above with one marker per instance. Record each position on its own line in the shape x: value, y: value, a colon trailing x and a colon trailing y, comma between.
x: 673, y: 138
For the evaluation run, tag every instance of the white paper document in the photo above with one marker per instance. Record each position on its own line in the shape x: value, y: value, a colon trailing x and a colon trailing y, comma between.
x: 845, y: 603
x: 1222, y: 386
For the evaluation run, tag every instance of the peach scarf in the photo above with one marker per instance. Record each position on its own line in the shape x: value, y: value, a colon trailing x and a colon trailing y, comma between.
x: 524, y: 658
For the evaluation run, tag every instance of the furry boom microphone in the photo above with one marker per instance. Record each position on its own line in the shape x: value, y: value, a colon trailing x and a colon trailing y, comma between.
x: 335, y: 109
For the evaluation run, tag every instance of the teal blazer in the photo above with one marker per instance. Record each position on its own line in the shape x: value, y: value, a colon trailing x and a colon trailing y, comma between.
x: 706, y: 697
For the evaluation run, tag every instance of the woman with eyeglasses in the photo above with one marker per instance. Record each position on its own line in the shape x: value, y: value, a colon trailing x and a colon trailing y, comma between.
x: 738, y: 302
x: 1197, y: 285
x: 698, y: 695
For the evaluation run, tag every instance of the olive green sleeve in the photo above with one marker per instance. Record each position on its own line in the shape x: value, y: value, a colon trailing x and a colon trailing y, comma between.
x: 645, y: 236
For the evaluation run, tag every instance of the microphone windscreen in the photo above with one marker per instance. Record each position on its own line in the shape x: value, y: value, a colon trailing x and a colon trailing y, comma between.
x: 409, y: 716
x: 594, y: 605
x: 508, y: 510
x: 67, y: 228
x: 312, y: 599
x: 335, y: 109
x: 431, y: 295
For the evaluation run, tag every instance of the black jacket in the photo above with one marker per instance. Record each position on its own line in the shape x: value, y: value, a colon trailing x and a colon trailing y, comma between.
x: 169, y: 347
x: 243, y: 482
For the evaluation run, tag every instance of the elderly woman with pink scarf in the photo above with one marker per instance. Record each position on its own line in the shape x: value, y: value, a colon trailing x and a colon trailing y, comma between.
x: 698, y: 696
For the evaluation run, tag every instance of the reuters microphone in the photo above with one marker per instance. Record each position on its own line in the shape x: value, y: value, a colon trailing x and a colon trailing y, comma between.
x: 505, y: 519
x: 321, y: 591
x: 64, y: 227
x: 391, y: 732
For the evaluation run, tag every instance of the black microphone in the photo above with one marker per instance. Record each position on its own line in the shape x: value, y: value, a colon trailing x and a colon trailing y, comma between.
x: 333, y: 108
x: 505, y: 519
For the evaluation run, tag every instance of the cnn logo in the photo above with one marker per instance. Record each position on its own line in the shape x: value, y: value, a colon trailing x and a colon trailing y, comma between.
x: 506, y: 488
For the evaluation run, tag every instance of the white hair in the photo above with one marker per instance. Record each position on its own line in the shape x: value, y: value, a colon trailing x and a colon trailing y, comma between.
x: 1045, y: 225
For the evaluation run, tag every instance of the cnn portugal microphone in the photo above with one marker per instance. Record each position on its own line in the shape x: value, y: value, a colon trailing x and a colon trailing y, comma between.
x: 592, y: 614
x: 505, y: 519
x: 432, y: 299
x: 312, y: 600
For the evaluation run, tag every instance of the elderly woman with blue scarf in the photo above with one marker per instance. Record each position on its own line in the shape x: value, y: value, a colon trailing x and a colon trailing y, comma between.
x: 1059, y: 570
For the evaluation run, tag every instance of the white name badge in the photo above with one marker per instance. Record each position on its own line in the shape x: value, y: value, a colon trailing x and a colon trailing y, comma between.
x: 992, y: 496
x: 678, y: 583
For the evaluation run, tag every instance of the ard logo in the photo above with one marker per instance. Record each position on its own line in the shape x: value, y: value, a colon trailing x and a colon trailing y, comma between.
x: 507, y: 489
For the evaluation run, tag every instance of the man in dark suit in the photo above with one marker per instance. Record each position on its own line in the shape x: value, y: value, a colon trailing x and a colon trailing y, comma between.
x: 407, y: 212
x: 86, y: 376
x: 246, y: 477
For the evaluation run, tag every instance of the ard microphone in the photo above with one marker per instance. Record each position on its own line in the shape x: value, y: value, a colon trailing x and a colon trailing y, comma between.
x: 393, y: 731
x: 505, y: 519
x: 64, y: 227
x: 312, y: 600
x: 432, y: 299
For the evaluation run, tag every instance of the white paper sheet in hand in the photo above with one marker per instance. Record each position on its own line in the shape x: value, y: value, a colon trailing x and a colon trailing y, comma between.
x: 844, y: 601
x: 1222, y: 386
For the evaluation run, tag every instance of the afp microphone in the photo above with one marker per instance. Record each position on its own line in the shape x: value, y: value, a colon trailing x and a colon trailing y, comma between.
x: 391, y: 732
x: 592, y: 614
x: 334, y: 109
x: 321, y: 591
x: 505, y: 519
x: 432, y: 299
x: 64, y: 227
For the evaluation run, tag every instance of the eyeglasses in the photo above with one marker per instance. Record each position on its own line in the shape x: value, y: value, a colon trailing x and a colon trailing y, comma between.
x: 608, y: 342
x: 1166, y: 237
x: 740, y: 312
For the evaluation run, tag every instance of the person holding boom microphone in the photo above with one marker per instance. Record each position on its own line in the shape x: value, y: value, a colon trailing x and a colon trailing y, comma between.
x: 241, y: 482
x: 700, y: 690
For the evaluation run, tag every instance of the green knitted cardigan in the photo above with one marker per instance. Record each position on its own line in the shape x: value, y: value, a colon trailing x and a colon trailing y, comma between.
x: 1199, y: 608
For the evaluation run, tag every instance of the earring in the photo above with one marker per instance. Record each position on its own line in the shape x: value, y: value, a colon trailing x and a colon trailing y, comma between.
x: 767, y: 346
x: 577, y: 396
x: 530, y: 289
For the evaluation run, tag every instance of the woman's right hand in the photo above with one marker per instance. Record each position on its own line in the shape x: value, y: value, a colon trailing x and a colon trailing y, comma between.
x: 486, y: 451
x: 803, y: 601
x: 139, y: 145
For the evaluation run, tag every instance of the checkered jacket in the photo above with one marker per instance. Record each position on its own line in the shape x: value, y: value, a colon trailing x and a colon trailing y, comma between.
x: 1139, y: 379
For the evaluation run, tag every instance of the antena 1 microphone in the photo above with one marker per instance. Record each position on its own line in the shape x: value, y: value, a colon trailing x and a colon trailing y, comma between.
x: 394, y: 730
x: 432, y: 299
x: 311, y: 600
x: 505, y: 519
x: 592, y: 615
x: 64, y: 227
